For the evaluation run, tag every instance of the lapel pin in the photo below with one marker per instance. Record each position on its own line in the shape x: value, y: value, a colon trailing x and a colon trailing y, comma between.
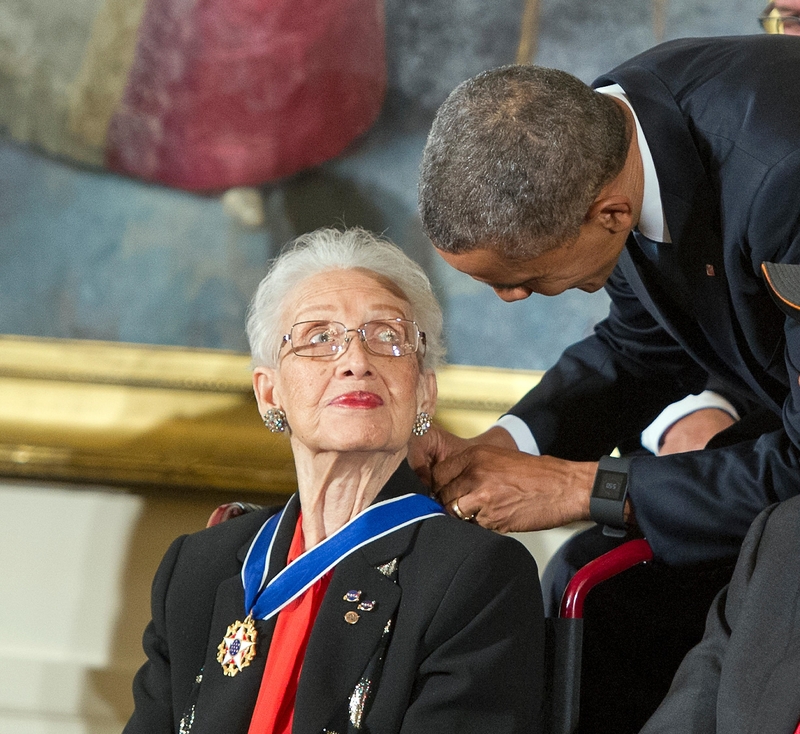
x: 352, y: 596
x: 388, y: 569
x: 710, y: 270
x: 367, y: 606
x: 351, y: 617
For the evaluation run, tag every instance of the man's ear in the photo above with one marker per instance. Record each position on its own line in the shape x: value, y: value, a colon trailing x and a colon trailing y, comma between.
x: 612, y: 212
x: 265, y: 389
x: 427, y: 392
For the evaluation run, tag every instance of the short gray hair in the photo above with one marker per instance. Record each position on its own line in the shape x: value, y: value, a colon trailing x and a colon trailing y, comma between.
x: 514, y: 159
x: 331, y: 249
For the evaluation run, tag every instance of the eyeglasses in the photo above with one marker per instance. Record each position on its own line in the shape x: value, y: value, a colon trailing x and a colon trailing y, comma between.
x: 772, y: 21
x: 389, y: 338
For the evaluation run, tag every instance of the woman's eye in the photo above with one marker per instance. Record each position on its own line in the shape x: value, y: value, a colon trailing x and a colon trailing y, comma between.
x: 389, y: 336
x: 322, y: 338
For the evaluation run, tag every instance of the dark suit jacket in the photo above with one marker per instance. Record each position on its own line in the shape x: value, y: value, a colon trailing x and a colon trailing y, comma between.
x: 743, y: 676
x: 722, y: 119
x: 465, y: 654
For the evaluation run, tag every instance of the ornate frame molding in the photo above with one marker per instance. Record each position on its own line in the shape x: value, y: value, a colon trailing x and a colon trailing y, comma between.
x: 152, y: 416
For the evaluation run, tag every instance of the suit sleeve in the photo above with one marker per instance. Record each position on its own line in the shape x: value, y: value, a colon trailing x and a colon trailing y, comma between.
x: 698, y: 506
x: 691, y: 704
x: 152, y: 688
x: 606, y: 389
x: 483, y: 671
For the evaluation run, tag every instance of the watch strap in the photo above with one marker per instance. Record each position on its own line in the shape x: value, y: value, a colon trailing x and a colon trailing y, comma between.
x: 610, y: 490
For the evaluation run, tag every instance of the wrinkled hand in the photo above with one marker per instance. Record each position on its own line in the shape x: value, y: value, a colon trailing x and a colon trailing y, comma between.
x: 694, y: 431
x: 510, y: 491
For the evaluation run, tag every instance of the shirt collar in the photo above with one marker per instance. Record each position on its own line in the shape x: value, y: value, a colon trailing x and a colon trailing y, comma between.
x: 652, y: 223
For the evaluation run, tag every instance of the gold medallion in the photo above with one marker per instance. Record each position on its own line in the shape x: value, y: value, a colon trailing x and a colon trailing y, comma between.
x: 238, y: 647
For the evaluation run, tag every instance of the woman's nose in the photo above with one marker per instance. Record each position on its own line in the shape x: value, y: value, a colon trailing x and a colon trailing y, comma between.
x: 355, y: 359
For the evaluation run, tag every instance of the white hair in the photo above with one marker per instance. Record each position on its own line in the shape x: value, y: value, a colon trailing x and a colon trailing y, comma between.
x: 331, y: 249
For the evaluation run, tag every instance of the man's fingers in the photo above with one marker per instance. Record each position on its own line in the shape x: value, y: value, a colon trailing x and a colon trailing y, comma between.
x: 449, y: 476
x: 427, y: 451
x: 420, y: 458
x: 457, y: 508
x: 511, y: 491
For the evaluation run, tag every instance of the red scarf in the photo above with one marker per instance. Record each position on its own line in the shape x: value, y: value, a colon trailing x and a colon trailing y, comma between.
x: 274, y: 711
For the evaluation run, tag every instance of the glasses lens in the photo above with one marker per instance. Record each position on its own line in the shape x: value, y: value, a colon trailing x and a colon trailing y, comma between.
x: 771, y: 20
x: 393, y: 338
x: 317, y: 338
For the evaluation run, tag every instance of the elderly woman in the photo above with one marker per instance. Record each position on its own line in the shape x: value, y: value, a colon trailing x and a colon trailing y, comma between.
x: 360, y: 605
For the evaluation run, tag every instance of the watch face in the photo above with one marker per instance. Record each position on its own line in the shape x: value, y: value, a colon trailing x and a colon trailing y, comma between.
x: 610, y: 485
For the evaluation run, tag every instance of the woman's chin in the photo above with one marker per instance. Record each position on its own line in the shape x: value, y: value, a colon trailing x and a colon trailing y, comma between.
x: 358, y: 442
x: 366, y: 444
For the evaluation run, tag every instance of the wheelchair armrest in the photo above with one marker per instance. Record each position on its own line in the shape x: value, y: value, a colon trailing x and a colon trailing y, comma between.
x: 230, y: 510
x: 600, y: 569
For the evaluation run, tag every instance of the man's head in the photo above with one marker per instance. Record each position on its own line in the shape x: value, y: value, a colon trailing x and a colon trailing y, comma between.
x: 514, y: 160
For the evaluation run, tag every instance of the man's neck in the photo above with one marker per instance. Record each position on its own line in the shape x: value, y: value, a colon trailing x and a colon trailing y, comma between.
x: 630, y: 180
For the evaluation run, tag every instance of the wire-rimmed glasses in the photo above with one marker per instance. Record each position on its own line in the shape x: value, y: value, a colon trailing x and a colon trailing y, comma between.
x: 385, y: 338
x: 772, y: 21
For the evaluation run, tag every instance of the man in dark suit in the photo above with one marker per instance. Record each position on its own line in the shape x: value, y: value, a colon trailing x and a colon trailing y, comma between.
x: 669, y: 188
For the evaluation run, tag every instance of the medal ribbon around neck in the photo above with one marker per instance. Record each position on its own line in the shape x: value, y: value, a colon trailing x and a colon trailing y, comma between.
x: 263, y: 602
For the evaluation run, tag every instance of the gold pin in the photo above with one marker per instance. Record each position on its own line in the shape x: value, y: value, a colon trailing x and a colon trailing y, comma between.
x: 351, y: 617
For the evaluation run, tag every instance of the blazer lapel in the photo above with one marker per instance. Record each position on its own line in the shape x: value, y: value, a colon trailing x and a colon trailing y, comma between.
x: 338, y: 651
x: 225, y: 703
x: 690, y: 272
x: 342, y: 642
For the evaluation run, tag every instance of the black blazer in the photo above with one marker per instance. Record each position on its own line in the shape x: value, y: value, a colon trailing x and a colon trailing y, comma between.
x: 743, y: 676
x: 465, y: 653
x: 722, y: 119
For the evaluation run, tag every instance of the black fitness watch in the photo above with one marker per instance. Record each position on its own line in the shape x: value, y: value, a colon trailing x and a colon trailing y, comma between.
x: 607, y: 506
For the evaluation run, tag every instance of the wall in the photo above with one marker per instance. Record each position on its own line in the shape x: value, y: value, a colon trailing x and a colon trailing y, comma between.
x: 88, y: 254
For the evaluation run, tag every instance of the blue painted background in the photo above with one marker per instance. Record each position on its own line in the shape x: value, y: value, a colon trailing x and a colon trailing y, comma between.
x: 87, y: 254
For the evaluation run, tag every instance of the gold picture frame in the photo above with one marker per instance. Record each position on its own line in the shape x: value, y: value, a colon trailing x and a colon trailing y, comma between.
x: 138, y: 415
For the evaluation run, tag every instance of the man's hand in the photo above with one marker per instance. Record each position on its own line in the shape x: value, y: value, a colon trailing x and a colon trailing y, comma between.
x: 694, y: 431
x: 510, y: 491
x: 437, y: 444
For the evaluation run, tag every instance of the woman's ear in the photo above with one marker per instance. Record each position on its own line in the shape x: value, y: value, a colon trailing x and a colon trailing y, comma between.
x: 265, y: 389
x: 427, y: 392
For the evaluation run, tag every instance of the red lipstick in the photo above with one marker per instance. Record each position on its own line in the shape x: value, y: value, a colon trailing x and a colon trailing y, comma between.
x: 358, y: 399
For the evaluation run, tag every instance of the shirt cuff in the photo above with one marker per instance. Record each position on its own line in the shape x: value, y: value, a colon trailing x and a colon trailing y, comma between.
x: 652, y: 435
x: 520, y: 433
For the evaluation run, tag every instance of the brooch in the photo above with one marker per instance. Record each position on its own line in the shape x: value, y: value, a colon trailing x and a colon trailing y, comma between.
x: 238, y: 647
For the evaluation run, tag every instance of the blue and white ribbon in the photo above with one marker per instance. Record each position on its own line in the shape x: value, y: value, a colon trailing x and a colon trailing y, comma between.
x: 263, y: 602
